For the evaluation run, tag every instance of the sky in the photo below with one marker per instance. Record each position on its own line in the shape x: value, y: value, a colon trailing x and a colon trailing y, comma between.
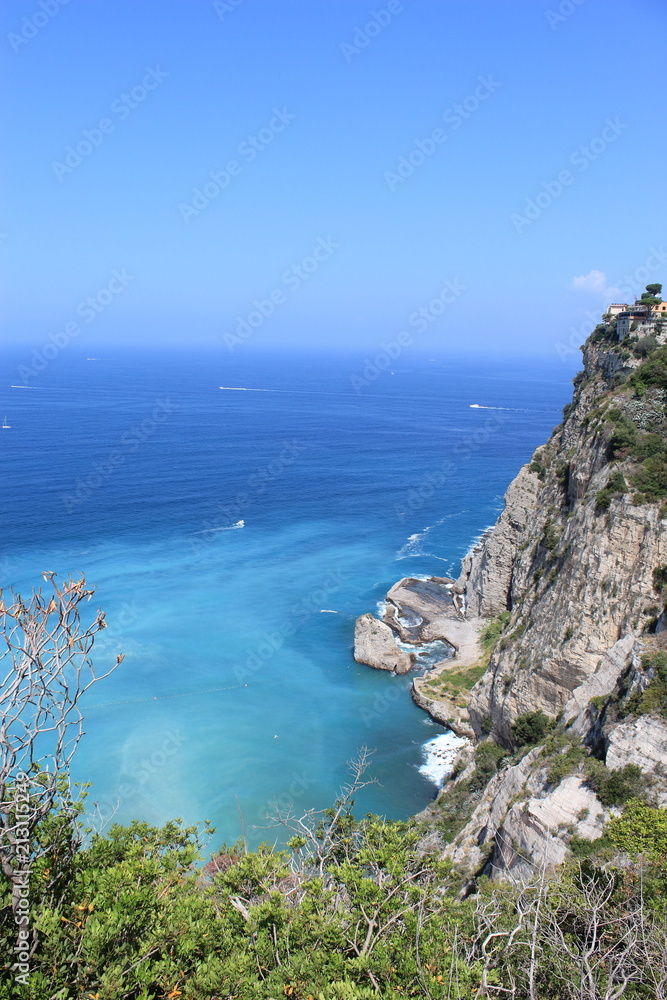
x: 480, y: 175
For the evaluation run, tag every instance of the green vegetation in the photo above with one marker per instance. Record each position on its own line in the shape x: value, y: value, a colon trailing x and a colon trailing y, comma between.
x: 369, y: 913
x: 488, y: 758
x: 614, y: 788
x: 491, y: 632
x: 652, y: 373
x: 624, y: 435
x: 453, y: 684
x: 566, y: 762
x: 457, y: 801
x: 645, y: 345
x: 615, y: 487
x: 660, y: 579
x: 646, y: 448
x: 550, y: 538
x: 641, y: 831
x: 654, y: 698
x: 530, y: 729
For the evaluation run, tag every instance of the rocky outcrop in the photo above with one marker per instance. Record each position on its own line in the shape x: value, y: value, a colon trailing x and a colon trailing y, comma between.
x: 375, y: 645
x: 424, y: 614
x: 576, y: 564
x: 442, y: 709
x: 576, y: 578
x: 424, y: 611
x: 535, y: 832
x: 421, y: 610
x: 643, y: 742
x: 523, y: 823
x: 487, y: 571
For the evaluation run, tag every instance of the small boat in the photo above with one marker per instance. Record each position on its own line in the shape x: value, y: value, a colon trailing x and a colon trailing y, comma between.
x: 475, y: 406
x: 5, y: 425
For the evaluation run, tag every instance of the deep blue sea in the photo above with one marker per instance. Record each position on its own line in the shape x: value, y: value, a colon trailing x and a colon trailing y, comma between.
x: 238, y: 685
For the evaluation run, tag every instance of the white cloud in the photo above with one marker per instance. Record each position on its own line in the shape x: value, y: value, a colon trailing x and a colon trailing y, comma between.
x: 594, y: 281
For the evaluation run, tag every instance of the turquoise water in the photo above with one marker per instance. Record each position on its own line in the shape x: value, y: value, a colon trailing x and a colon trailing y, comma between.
x: 238, y: 685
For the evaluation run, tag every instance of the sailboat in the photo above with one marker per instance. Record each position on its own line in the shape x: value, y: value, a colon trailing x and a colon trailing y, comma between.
x: 5, y: 425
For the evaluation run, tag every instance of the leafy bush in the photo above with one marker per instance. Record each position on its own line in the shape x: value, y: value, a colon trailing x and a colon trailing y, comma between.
x: 660, y: 578
x: 645, y: 345
x: 565, y: 763
x: 623, y: 438
x: 492, y: 630
x: 530, y: 729
x: 641, y: 830
x: 651, y: 478
x: 614, y: 788
x: 653, y: 372
x: 488, y: 758
x: 550, y: 538
x: 603, y: 499
x: 616, y: 485
x: 653, y: 699
x: 582, y: 848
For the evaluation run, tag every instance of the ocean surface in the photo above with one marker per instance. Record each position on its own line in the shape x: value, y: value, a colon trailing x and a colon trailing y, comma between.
x: 238, y: 688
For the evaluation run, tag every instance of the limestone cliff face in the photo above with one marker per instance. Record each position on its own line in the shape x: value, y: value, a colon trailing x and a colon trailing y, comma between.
x: 577, y: 580
x: 578, y: 562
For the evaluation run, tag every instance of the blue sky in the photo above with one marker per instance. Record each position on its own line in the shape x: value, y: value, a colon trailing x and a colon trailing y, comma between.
x: 447, y: 168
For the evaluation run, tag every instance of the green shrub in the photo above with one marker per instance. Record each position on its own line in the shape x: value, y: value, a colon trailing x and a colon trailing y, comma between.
x: 651, y: 478
x: 640, y: 831
x: 603, y: 499
x: 616, y: 482
x: 492, y: 630
x: 530, y: 729
x: 565, y: 764
x: 550, y: 538
x: 488, y: 758
x: 653, y: 699
x: 623, y: 438
x: 652, y: 372
x: 582, y: 848
x: 614, y: 788
x: 645, y: 345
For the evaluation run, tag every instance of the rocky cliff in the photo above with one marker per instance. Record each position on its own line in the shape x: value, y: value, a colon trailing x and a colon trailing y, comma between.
x: 577, y: 567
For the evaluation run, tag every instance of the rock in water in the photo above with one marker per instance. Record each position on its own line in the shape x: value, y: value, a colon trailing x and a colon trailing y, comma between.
x: 375, y: 645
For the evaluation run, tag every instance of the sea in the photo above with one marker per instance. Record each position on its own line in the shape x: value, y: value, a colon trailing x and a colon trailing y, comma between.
x: 235, y: 514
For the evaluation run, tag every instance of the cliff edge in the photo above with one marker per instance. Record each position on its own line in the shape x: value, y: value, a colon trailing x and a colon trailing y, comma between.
x: 571, y: 711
